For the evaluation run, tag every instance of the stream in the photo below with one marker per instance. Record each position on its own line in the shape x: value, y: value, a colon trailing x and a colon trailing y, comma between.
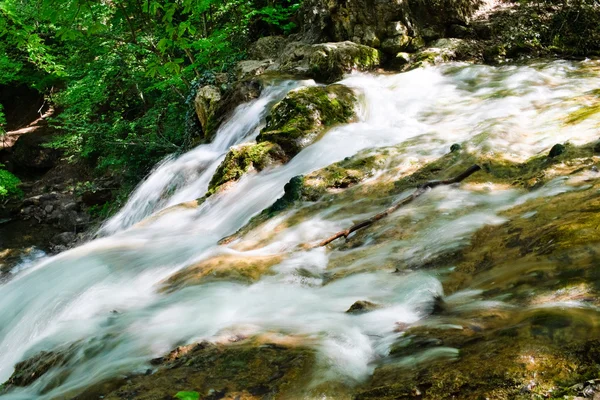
x: 105, y: 295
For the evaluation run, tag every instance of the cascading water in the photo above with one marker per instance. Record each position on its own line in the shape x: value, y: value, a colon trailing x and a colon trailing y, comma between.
x: 104, y: 297
x: 185, y: 178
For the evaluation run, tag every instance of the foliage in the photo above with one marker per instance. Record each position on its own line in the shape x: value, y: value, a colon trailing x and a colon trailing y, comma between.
x: 563, y: 26
x: 188, y: 395
x: 9, y: 185
x: 124, y: 69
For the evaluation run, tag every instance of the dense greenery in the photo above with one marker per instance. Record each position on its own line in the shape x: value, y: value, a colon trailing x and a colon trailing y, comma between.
x: 9, y: 185
x: 566, y: 27
x: 122, y: 72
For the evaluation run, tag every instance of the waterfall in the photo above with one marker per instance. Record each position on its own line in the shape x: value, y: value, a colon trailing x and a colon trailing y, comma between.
x: 105, y: 296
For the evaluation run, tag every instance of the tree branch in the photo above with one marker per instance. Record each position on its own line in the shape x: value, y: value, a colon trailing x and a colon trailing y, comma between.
x: 420, y: 190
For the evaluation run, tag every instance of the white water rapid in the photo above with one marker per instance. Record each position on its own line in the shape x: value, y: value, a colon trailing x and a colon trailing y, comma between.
x: 104, y: 296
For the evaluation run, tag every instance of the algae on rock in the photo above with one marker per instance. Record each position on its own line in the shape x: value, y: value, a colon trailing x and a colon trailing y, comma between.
x: 242, y: 159
x: 303, y: 116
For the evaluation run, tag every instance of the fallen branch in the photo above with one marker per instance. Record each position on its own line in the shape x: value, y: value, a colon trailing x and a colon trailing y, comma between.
x: 420, y: 190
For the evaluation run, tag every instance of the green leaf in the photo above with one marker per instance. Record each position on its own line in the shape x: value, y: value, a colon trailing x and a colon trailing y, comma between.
x: 188, y: 395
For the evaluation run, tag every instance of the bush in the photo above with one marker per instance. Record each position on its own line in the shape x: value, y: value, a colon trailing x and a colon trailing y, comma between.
x: 9, y: 186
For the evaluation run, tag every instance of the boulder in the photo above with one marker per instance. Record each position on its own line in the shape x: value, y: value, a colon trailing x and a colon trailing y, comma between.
x: 303, y: 116
x: 370, y: 22
x: 31, y: 153
x: 241, y: 159
x: 327, y: 62
x: 267, y: 48
x: 251, y: 68
x: 206, y: 104
x: 362, y: 306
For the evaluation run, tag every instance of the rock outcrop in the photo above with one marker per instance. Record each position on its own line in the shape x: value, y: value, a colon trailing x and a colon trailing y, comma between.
x: 295, y: 122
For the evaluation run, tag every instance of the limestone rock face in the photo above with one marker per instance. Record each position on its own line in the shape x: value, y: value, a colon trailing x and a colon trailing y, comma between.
x: 327, y: 62
x: 206, y: 104
x: 267, y: 48
x: 372, y: 22
x: 251, y: 68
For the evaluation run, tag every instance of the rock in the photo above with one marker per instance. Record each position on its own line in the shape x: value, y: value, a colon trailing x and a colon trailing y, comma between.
x: 455, y: 147
x: 326, y: 62
x: 64, y: 238
x: 262, y: 367
x: 268, y: 47
x: 401, y: 59
x: 30, y: 153
x: 556, y: 150
x: 227, y: 267
x: 96, y: 197
x: 362, y: 306
x: 28, y: 371
x: 370, y: 38
x: 597, y: 147
x: 241, y: 159
x: 303, y: 115
x: 251, y: 68
x: 459, y: 31
x: 395, y: 44
x: 206, y: 104
x: 444, y: 50
x: 327, y: 20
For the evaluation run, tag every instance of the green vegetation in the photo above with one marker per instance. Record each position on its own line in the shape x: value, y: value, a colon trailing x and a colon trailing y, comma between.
x: 188, y: 395
x: 562, y: 26
x: 9, y: 185
x: 124, y: 73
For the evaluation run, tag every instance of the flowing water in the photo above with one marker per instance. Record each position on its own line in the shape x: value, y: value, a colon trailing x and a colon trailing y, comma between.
x: 105, y: 295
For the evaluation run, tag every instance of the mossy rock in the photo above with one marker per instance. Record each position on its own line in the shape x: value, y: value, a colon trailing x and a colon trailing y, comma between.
x: 305, y: 114
x: 246, y: 370
x: 241, y: 159
x: 327, y: 62
x: 227, y: 267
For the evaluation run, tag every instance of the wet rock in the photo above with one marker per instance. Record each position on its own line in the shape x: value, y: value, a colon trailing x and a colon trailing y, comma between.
x: 28, y: 371
x: 267, y: 48
x: 303, y: 116
x: 65, y: 238
x: 362, y: 306
x: 206, y: 104
x: 260, y: 370
x: 597, y: 147
x: 326, y: 62
x: 556, y: 150
x: 251, y: 68
x: 241, y: 268
x: 243, y: 158
x: 455, y: 147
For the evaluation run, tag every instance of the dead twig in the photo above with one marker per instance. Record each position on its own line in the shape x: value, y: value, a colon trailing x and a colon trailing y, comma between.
x: 420, y: 190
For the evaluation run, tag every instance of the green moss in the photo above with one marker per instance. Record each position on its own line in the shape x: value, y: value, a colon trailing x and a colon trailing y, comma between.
x: 260, y: 370
x: 305, y: 114
x: 241, y: 159
x: 328, y: 62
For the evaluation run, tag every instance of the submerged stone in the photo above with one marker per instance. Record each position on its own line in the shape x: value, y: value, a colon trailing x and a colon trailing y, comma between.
x: 556, y: 150
x: 362, y: 306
